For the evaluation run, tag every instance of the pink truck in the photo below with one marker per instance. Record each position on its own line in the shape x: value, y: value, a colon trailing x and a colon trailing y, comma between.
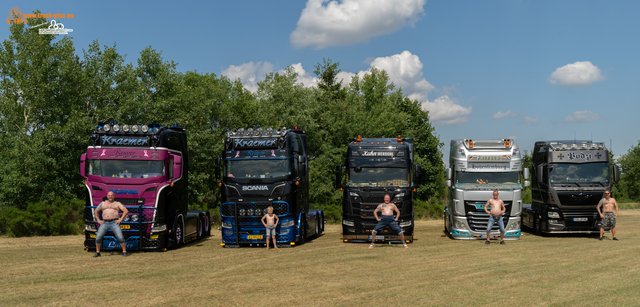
x: 146, y: 166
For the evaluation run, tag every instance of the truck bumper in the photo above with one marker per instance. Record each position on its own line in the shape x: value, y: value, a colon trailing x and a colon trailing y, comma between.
x: 156, y: 241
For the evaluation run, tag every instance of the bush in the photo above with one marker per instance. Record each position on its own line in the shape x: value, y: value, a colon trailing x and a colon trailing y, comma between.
x: 430, y: 209
x: 44, y: 218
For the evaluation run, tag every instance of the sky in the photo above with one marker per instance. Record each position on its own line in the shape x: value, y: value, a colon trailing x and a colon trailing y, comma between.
x: 526, y: 70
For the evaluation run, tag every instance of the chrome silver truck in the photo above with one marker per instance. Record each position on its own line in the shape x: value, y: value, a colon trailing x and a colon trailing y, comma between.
x: 476, y: 169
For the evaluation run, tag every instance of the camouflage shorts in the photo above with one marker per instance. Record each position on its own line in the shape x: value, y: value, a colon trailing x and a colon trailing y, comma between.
x: 609, y: 219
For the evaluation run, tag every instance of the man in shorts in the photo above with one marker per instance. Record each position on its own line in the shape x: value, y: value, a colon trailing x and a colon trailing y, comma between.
x: 110, y: 221
x: 272, y: 222
x: 608, y: 216
x: 495, y: 215
x: 387, y: 208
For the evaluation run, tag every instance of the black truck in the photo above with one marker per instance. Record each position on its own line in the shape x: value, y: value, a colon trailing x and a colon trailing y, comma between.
x: 569, y: 179
x: 261, y: 169
x: 375, y: 167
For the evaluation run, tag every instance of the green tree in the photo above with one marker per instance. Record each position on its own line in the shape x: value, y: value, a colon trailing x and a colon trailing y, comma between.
x: 629, y: 184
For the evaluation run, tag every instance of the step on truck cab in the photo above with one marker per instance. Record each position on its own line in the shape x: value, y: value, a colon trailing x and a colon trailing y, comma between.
x: 261, y: 169
x: 476, y: 169
x: 146, y: 166
x: 569, y: 179
x: 375, y: 167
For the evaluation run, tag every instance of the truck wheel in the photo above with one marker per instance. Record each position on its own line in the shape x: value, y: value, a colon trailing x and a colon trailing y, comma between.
x: 207, y: 225
x: 322, y: 223
x: 317, y: 225
x: 177, y: 234
x: 537, y: 227
x: 200, y: 229
x: 446, y: 225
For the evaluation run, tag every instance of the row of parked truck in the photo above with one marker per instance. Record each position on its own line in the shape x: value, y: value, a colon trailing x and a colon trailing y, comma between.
x: 146, y: 166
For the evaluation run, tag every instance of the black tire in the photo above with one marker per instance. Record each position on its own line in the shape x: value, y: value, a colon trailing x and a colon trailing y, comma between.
x: 178, y: 233
x: 537, y: 225
x: 200, y: 227
x: 322, y: 223
x: 446, y: 224
x: 303, y: 231
x: 317, y: 225
x: 207, y: 225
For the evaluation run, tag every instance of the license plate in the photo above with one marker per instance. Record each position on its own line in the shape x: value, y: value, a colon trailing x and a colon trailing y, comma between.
x: 377, y: 237
x: 579, y: 219
x: 254, y: 237
x: 125, y: 226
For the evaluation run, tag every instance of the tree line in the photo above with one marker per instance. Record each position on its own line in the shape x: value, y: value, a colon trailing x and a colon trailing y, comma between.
x: 51, y: 99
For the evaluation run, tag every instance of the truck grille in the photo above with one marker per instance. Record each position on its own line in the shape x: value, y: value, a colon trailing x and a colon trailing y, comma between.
x: 258, y: 208
x: 579, y: 199
x: 478, y: 219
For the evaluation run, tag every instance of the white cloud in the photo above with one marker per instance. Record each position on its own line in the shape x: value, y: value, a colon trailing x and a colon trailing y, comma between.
x: 303, y: 76
x: 249, y: 73
x: 501, y: 115
x: 531, y: 120
x: 576, y: 74
x: 582, y: 116
x: 352, y: 21
x: 445, y: 111
x: 405, y: 70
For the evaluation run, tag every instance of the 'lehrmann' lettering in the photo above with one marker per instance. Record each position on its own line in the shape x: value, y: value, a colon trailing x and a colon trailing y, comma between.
x: 254, y: 143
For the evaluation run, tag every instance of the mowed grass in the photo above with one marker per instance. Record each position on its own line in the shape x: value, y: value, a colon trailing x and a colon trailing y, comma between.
x: 435, y: 270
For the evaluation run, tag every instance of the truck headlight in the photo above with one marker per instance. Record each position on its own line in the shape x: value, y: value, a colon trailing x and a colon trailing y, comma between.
x: 354, y: 194
x: 159, y: 227
x: 134, y: 218
x: 226, y: 225
x: 460, y: 225
x: 515, y: 225
x: 553, y: 215
x: 348, y: 223
x: 90, y: 227
x: 405, y: 224
x: 288, y: 223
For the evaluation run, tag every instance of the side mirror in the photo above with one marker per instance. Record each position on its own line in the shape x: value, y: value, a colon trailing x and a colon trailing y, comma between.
x: 217, y: 170
x: 418, y: 175
x: 448, y: 183
x: 83, y: 167
x: 449, y: 173
x: 539, y: 171
x: 338, y: 182
x: 177, y: 166
x: 616, y: 173
x: 526, y: 173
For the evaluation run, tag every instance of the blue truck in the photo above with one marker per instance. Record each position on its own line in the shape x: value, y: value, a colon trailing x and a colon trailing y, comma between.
x: 264, y: 168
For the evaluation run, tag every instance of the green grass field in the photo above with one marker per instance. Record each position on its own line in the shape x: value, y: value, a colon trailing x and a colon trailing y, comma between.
x: 435, y: 270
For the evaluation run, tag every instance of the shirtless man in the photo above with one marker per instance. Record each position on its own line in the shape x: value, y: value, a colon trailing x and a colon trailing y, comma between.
x: 605, y: 209
x: 497, y: 210
x: 387, y: 208
x: 111, y: 220
x: 272, y: 222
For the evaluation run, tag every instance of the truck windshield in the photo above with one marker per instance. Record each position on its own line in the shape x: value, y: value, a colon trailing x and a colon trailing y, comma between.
x: 258, y: 168
x: 488, y: 178
x: 126, y: 168
x: 378, y: 177
x: 572, y: 173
